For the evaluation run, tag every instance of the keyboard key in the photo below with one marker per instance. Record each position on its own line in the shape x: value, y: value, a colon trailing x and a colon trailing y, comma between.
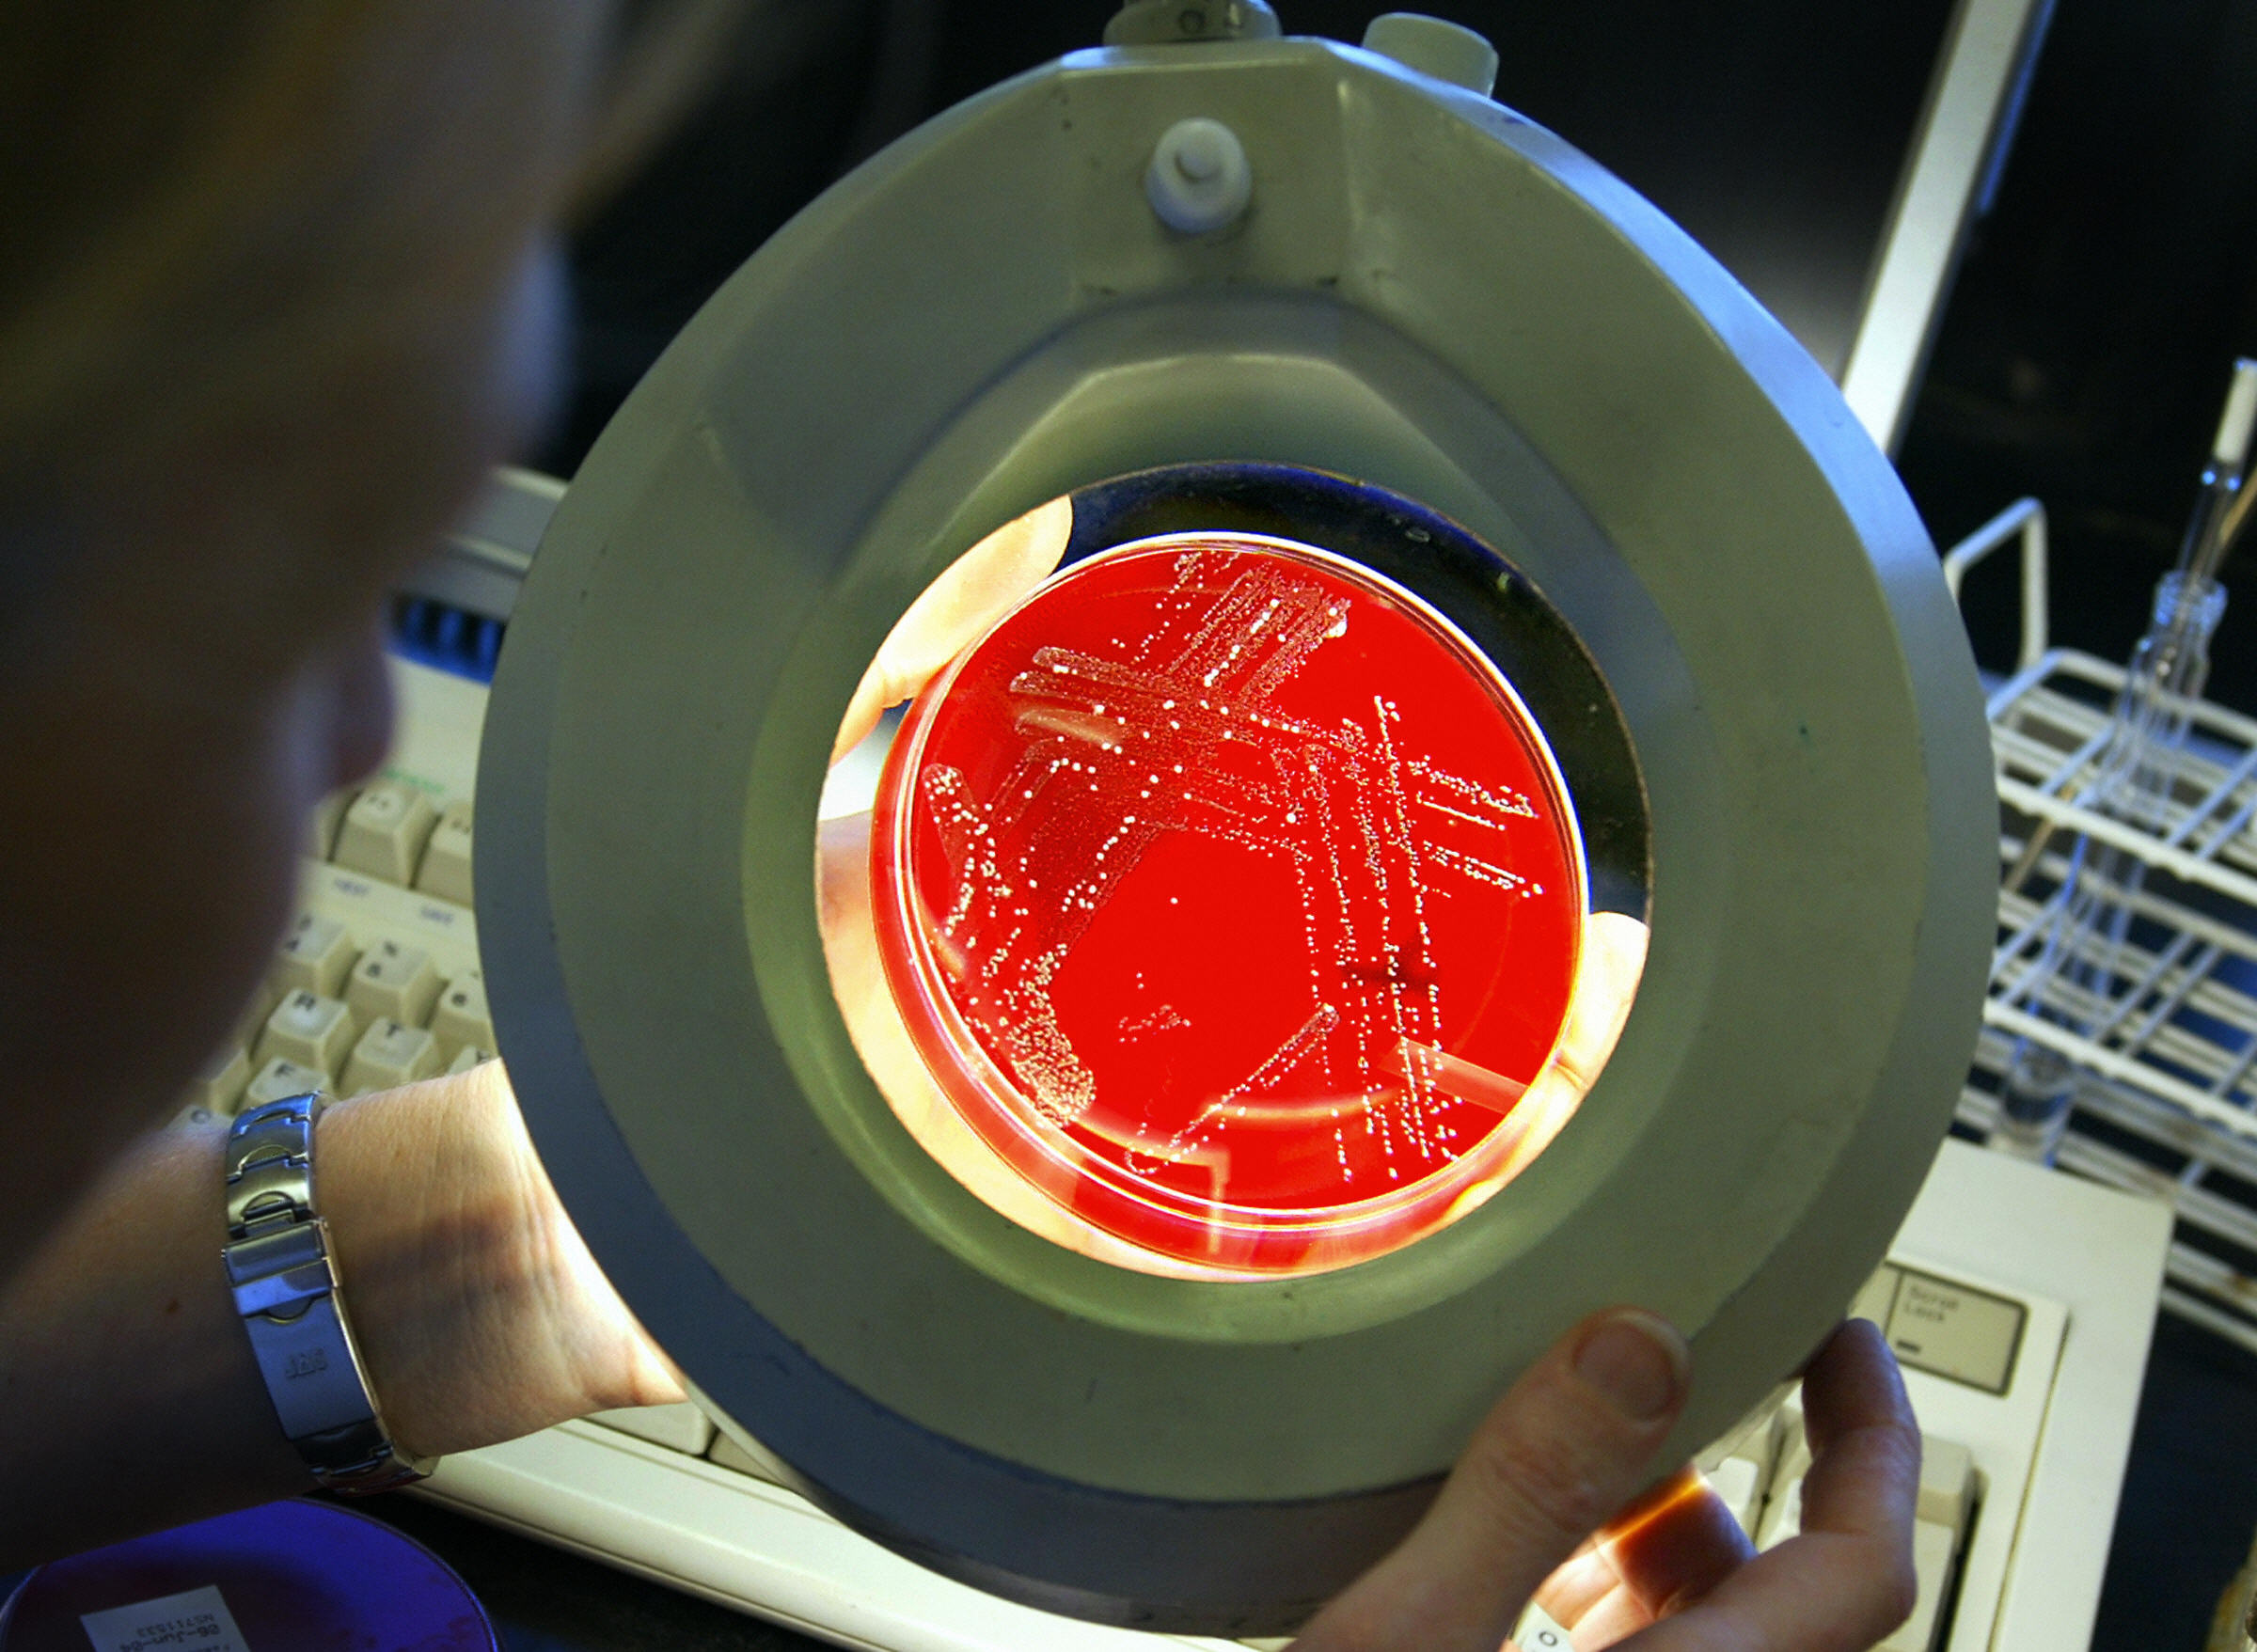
x: 1739, y: 1481
x: 395, y: 983
x: 682, y: 1427
x: 1950, y: 1329
x: 462, y: 1017
x: 1538, y: 1632
x: 1782, y: 1516
x: 320, y: 826
x: 1947, y: 1483
x: 1790, y: 1457
x: 758, y: 1461
x: 1878, y: 1297
x: 446, y: 869
x: 310, y: 1029
x: 467, y: 1057
x: 220, y: 1085
x: 1782, y: 1513
x: 1740, y: 1476
x: 388, y: 1055
x: 385, y: 831
x: 1931, y: 1548
x: 256, y: 1009
x: 315, y: 957
x: 280, y: 1079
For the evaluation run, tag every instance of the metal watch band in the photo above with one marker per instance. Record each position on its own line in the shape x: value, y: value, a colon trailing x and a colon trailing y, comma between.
x: 285, y: 1286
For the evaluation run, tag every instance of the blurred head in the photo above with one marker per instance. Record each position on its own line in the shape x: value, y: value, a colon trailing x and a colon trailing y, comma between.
x: 278, y: 288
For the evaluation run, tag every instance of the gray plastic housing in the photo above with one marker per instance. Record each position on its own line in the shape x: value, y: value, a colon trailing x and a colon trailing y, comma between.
x: 1428, y: 293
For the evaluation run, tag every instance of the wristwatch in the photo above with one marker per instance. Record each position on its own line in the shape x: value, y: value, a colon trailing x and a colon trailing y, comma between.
x: 278, y: 1266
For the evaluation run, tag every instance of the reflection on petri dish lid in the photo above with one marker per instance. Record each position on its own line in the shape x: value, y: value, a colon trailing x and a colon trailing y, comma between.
x: 1234, y: 900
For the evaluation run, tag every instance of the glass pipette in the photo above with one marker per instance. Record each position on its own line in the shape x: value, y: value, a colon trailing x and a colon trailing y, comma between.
x: 2077, y: 980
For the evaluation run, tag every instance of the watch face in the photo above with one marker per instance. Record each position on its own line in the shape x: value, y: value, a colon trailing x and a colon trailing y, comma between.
x: 1234, y: 899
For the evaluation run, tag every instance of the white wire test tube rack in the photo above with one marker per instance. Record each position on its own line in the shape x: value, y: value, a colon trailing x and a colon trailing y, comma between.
x: 2165, y: 1099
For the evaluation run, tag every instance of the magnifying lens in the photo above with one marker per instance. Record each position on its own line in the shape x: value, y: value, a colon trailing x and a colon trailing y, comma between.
x: 1231, y: 900
x: 1440, y: 789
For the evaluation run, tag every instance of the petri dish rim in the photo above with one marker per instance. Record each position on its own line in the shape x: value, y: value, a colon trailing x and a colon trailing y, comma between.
x: 974, y: 1082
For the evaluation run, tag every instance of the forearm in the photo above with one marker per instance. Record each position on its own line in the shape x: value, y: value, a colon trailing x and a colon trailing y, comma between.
x: 479, y: 1312
x: 128, y: 1397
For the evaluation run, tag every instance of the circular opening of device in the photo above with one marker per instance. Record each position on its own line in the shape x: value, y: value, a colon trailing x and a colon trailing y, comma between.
x: 1223, y: 909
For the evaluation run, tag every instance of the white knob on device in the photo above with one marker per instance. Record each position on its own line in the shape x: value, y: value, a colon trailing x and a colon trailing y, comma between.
x: 1199, y: 179
x: 1446, y: 51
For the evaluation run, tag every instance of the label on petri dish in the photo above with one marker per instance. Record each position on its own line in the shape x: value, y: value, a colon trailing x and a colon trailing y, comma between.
x: 1234, y: 898
x: 194, y: 1620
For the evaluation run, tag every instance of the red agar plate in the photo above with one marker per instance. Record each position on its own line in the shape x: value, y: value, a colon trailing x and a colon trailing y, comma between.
x: 1233, y: 898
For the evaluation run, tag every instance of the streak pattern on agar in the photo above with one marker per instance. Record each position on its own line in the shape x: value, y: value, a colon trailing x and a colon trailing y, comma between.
x: 1232, y: 896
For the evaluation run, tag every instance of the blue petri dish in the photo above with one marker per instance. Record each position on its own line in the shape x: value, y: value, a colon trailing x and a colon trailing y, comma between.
x: 285, y: 1576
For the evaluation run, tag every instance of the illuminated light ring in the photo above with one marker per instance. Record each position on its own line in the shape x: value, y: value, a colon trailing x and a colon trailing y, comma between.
x: 1235, y: 899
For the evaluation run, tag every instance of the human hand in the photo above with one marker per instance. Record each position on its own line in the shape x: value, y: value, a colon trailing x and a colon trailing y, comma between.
x: 479, y: 1309
x: 1671, y: 1572
x: 975, y: 590
x: 479, y: 1312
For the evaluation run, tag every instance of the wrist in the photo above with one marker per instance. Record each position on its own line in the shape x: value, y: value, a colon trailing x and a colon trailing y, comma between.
x: 479, y: 1312
x: 285, y: 1292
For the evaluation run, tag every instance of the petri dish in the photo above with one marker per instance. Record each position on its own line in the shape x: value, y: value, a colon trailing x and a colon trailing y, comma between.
x: 1234, y: 899
x: 290, y: 1574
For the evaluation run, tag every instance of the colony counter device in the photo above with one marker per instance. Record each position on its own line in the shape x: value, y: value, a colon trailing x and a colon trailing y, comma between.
x: 1325, y: 327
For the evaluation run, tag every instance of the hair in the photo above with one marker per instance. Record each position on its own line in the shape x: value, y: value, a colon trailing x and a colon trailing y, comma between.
x: 212, y: 202
x: 205, y: 192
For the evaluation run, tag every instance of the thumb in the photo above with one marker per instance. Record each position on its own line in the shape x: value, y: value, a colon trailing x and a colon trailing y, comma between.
x: 1561, y: 1453
x: 975, y: 590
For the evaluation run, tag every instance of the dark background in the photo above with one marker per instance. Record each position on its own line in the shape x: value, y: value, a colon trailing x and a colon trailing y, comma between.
x: 2083, y: 358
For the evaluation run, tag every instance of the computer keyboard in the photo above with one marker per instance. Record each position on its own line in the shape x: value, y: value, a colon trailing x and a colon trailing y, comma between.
x: 1980, y: 1365
x: 376, y: 982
